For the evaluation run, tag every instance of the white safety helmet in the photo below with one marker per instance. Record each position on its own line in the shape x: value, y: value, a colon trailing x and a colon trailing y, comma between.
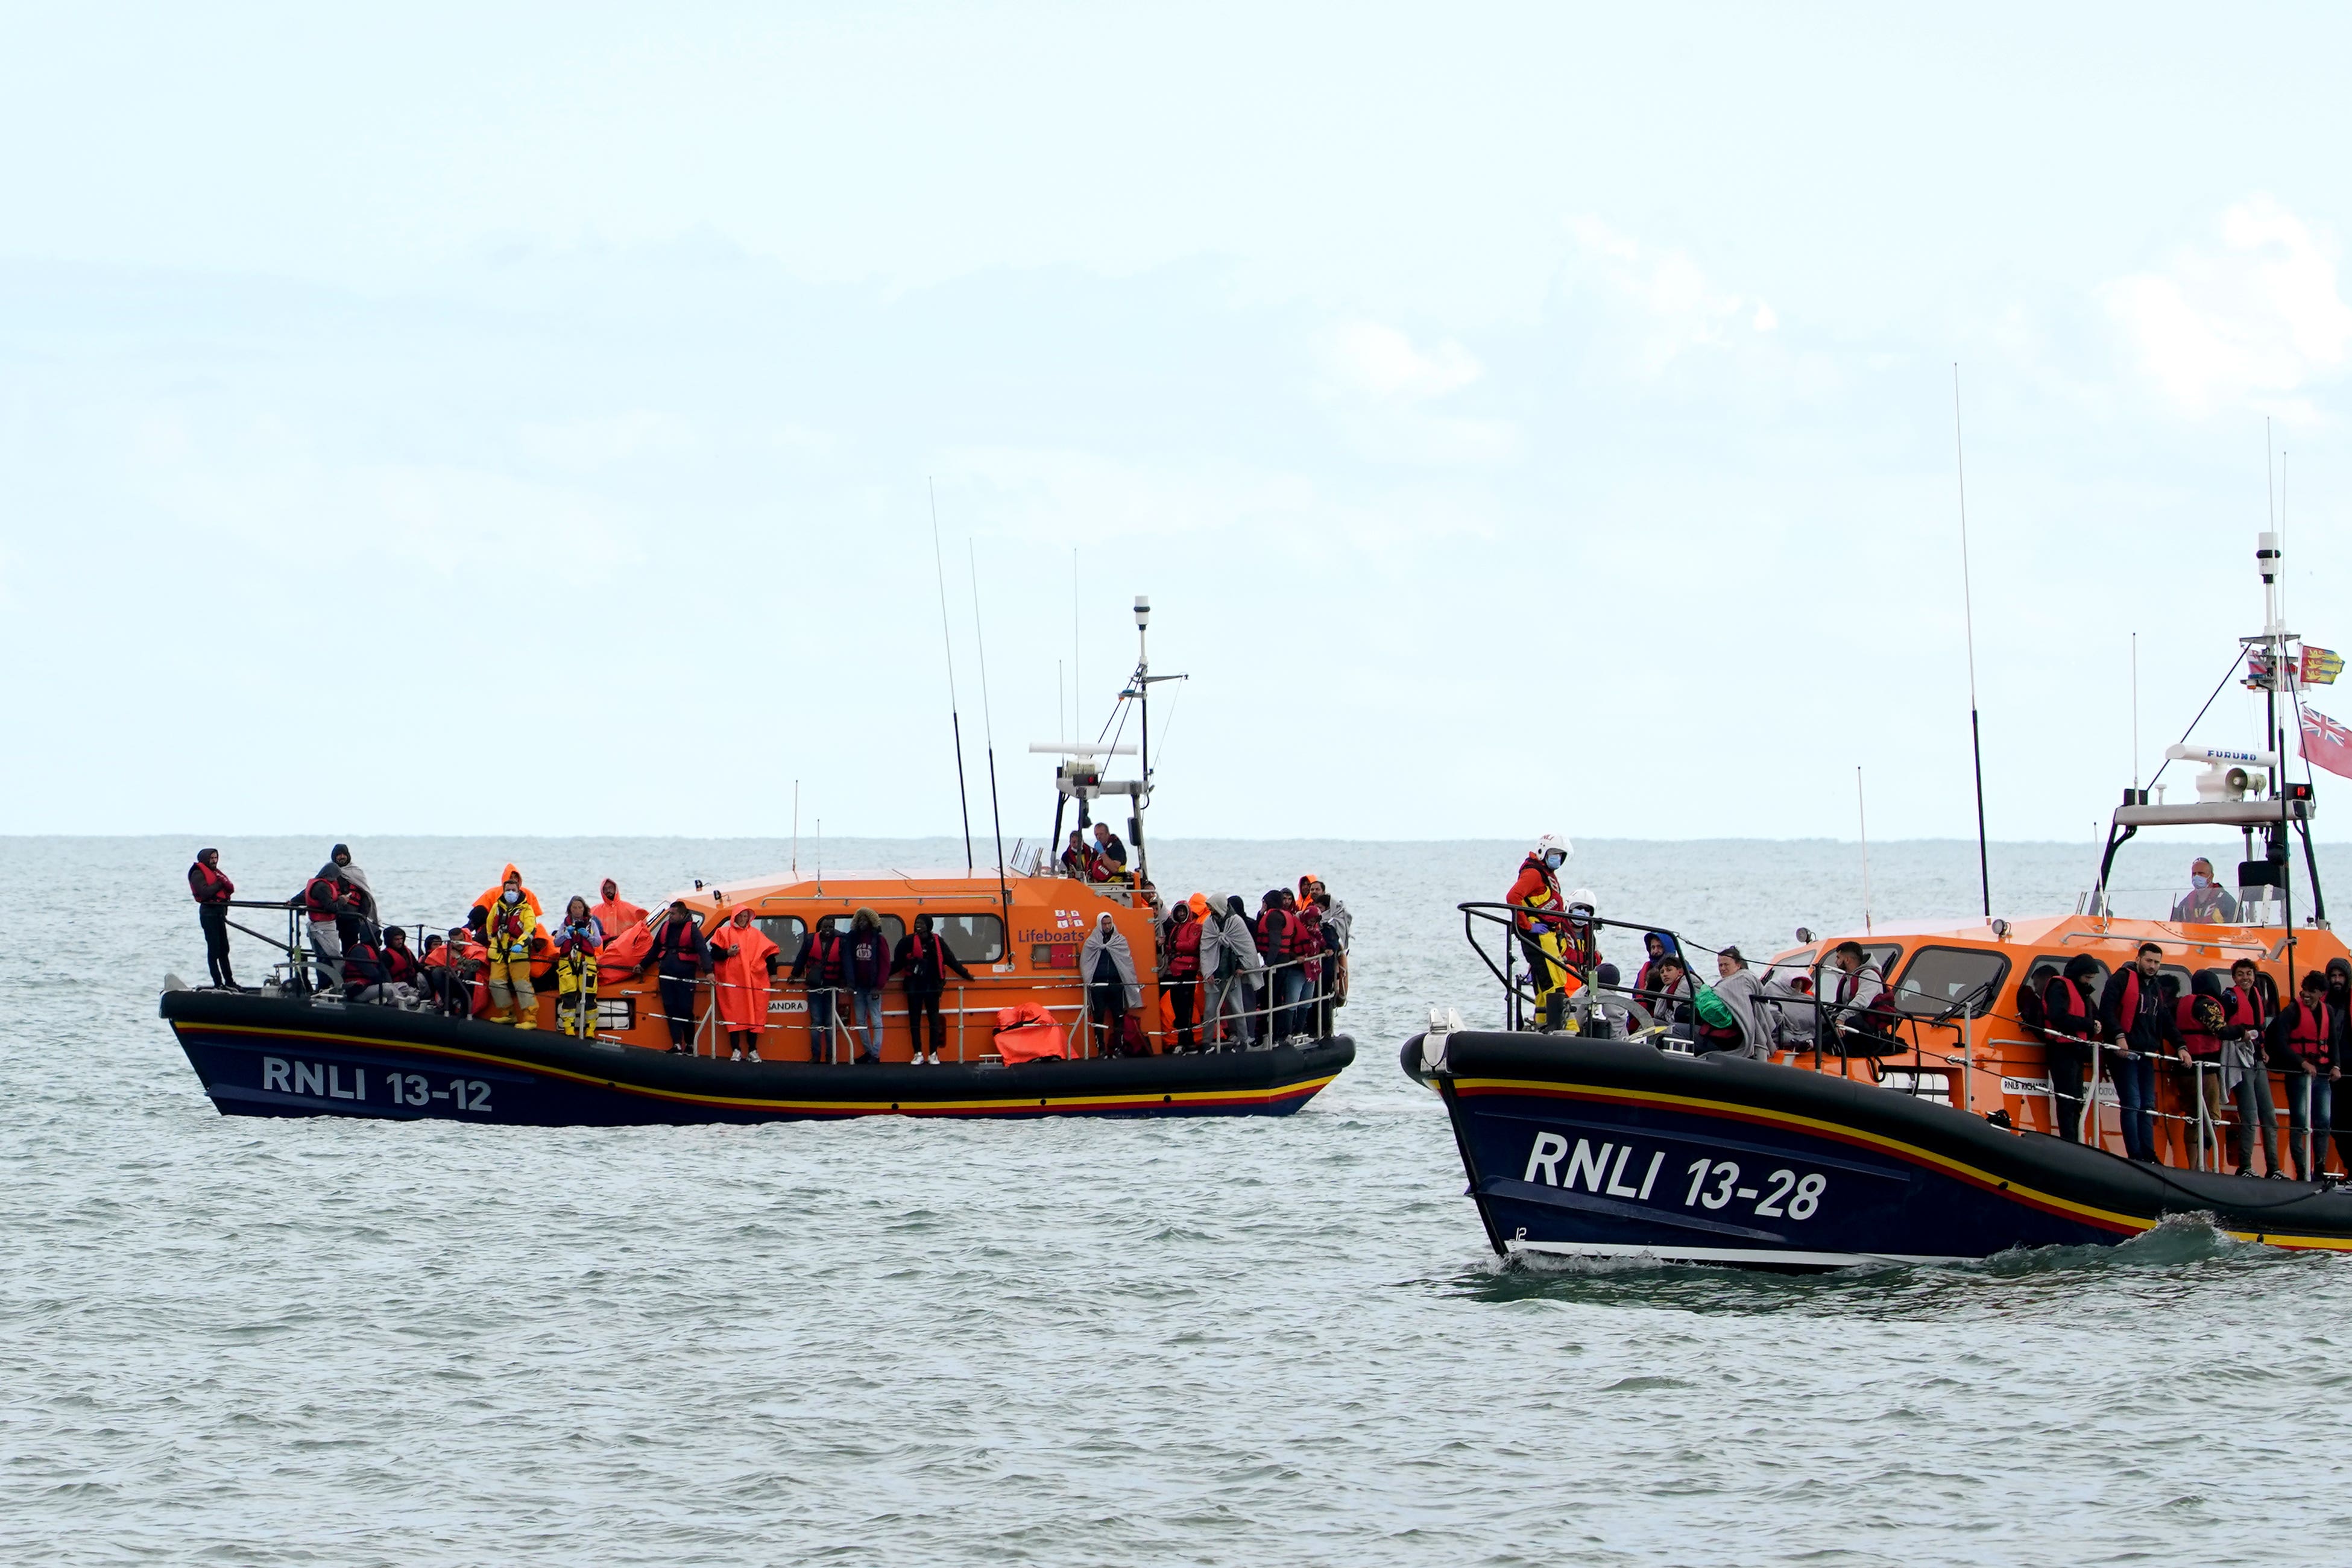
x: 1581, y: 901
x: 1552, y: 851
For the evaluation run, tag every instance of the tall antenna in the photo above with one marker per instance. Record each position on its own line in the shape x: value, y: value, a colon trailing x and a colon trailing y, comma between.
x: 954, y: 718
x: 1862, y: 814
x: 989, y: 719
x: 2135, y: 683
x: 1969, y: 620
x: 1078, y: 703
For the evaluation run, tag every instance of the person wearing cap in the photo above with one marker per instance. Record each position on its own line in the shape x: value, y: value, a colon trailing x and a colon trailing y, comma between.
x: 1180, y: 975
x: 212, y: 891
x: 2206, y: 902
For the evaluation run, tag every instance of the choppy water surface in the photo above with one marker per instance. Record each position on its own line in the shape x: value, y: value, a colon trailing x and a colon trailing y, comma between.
x: 883, y: 1342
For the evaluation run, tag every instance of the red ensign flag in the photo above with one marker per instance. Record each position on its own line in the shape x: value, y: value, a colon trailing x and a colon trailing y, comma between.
x: 2326, y: 743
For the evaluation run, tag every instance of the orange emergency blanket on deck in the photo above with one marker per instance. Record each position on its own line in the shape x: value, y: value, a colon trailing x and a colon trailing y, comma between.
x: 1027, y: 1033
x: 743, y: 976
x: 622, y: 954
x: 490, y: 896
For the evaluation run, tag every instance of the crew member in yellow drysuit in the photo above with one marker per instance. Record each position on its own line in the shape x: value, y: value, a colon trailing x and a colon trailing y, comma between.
x: 512, y: 920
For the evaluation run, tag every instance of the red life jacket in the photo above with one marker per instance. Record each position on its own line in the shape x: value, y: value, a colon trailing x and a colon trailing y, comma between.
x: 322, y: 897
x: 208, y: 886
x: 2065, y: 1010
x: 400, y: 964
x: 2197, y: 1042
x: 2308, y: 1034
x: 2242, y: 1010
x: 1184, y: 952
x: 825, y: 958
x: 1274, y: 942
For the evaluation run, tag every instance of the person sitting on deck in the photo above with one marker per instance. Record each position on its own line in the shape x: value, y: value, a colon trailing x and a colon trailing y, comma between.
x: 2137, y: 1017
x: 578, y: 940
x: 2070, y: 1021
x: 818, y: 967
x: 1109, y: 967
x: 1857, y: 1022
x: 1670, y: 995
x: 742, y: 965
x: 451, y: 970
x: 2306, y: 1045
x: 401, y: 964
x: 866, y: 969
x: 1073, y: 863
x: 2206, y: 902
x: 509, y: 924
x: 679, y: 955
x: 365, y: 979
x: 1738, y: 995
x: 923, y: 957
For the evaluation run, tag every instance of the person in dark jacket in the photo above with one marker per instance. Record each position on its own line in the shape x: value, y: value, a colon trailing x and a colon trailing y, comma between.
x: 1277, y: 946
x: 2201, y: 1019
x: 866, y: 969
x: 680, y: 955
x: 1109, y: 855
x: 817, y: 966
x: 2138, y: 1018
x: 2070, y: 1020
x: 365, y: 979
x: 2304, y: 1047
x: 922, y: 957
x: 2339, y: 998
x: 212, y: 891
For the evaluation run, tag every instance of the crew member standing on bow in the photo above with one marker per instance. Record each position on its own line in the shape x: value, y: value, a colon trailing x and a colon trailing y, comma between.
x: 213, y: 890
x: 511, y: 920
x: 678, y: 956
x: 2138, y: 1019
x: 742, y: 963
x: 1535, y: 895
x: 925, y: 960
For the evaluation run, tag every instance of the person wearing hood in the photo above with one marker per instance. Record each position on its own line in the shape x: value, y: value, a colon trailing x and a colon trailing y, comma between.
x: 866, y: 969
x: 1108, y: 969
x: 679, y: 955
x: 509, y: 922
x: 2200, y: 1020
x: 212, y: 890
x: 2070, y: 1021
x: 1655, y: 946
x: 616, y: 916
x: 510, y: 875
x: 1229, y: 961
x: 1180, y: 978
x: 358, y: 912
x: 743, y: 966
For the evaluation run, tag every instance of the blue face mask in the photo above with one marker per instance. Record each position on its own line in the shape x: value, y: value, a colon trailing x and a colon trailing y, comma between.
x: 2200, y: 881
x: 1554, y: 859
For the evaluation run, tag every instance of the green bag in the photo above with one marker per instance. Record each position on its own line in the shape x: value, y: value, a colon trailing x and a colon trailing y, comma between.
x: 1714, y: 1011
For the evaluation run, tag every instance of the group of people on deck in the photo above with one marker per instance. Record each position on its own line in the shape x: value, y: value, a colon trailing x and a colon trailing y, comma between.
x: 1210, y: 957
x: 2221, y: 1042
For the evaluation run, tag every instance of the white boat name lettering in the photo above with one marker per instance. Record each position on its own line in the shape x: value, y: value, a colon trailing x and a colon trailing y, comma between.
x: 334, y: 1080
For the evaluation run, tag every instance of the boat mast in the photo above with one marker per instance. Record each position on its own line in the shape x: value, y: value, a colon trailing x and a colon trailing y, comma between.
x: 1969, y: 620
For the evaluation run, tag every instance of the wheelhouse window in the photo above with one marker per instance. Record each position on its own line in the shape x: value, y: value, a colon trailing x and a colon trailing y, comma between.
x: 1880, y: 955
x: 972, y: 938
x: 786, y: 931
x: 1940, y: 979
x: 892, y: 926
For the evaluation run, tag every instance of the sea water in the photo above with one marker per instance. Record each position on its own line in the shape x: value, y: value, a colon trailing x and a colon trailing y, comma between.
x: 891, y: 1341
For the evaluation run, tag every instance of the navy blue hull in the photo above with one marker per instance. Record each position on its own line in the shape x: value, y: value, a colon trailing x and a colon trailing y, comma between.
x: 261, y: 1056
x: 1600, y: 1148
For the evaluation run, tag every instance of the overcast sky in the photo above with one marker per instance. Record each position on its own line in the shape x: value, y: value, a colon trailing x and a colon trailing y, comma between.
x: 504, y: 419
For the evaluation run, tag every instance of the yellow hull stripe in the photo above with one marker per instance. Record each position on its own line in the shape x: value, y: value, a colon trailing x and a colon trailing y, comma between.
x: 1302, y: 1088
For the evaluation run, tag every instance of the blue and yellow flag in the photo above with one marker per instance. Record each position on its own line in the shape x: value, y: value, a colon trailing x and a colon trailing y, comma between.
x: 2320, y: 666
